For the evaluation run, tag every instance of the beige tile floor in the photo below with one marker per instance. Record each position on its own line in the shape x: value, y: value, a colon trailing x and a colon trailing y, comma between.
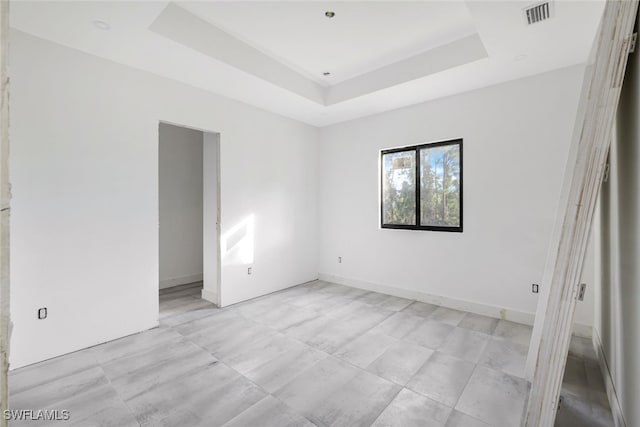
x: 316, y: 354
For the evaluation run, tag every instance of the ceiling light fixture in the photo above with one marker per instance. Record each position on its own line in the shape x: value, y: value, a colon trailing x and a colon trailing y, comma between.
x: 329, y: 14
x: 101, y: 25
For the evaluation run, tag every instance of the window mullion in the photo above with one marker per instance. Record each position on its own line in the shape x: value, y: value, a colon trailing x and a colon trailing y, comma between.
x: 417, y: 182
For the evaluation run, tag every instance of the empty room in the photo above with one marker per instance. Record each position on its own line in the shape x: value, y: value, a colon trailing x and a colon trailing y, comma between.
x: 310, y: 213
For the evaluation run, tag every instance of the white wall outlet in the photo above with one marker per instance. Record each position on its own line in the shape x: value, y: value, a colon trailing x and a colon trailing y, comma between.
x: 42, y: 313
x: 249, y: 271
x: 339, y: 260
x: 535, y: 288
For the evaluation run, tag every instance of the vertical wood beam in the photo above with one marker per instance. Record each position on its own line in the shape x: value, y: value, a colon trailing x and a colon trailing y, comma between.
x: 603, y: 94
x: 5, y: 196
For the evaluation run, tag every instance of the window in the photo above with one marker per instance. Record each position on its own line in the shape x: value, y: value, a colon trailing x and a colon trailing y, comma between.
x: 422, y: 187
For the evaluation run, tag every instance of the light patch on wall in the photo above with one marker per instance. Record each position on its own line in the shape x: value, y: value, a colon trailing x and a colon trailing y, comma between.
x: 237, y: 244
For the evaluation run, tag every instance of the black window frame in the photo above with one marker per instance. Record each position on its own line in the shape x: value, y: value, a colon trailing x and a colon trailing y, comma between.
x: 416, y: 149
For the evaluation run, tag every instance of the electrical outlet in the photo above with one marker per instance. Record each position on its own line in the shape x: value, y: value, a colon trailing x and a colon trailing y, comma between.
x: 249, y: 271
x: 42, y: 313
x: 534, y: 288
x: 339, y: 260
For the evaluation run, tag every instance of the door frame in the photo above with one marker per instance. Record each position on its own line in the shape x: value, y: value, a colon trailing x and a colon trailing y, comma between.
x: 218, y: 285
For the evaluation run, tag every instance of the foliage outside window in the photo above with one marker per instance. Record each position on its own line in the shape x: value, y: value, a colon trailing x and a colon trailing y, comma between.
x: 422, y: 187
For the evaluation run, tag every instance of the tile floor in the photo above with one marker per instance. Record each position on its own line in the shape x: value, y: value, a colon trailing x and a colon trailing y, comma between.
x: 316, y: 354
x: 180, y: 299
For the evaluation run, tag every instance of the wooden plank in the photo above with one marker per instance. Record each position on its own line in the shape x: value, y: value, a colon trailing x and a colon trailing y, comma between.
x: 593, y: 145
x: 4, y: 209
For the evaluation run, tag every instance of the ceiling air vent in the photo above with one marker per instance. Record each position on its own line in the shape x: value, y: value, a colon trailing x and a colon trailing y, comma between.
x: 538, y: 12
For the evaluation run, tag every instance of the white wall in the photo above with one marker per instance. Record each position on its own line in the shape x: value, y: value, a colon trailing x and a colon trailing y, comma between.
x: 583, y: 316
x: 84, y: 169
x: 180, y: 201
x: 617, y: 238
x: 516, y: 141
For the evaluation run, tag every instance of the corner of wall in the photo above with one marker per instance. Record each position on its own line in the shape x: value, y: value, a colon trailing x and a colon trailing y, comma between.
x: 612, y: 395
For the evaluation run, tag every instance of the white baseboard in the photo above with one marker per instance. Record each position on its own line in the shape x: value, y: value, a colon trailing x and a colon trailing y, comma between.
x: 177, y: 281
x: 614, y: 403
x: 457, y: 304
x: 584, y: 331
x: 137, y: 330
x: 210, y: 296
x: 472, y: 307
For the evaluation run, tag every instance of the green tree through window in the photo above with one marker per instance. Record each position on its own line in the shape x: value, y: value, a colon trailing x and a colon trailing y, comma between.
x: 399, y: 188
x: 436, y: 202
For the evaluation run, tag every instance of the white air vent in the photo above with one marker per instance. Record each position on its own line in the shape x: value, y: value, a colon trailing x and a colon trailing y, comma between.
x: 538, y: 12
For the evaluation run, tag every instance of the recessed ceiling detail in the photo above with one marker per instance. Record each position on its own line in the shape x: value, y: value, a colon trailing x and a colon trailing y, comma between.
x: 362, y: 36
x: 381, y: 55
x: 181, y: 26
x: 451, y: 55
x: 184, y: 27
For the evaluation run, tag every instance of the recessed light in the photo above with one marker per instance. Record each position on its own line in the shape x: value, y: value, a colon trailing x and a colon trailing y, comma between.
x: 520, y: 57
x: 329, y: 14
x: 326, y: 73
x: 101, y: 25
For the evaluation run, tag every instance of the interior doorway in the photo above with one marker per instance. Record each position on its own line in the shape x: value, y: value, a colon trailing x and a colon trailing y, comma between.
x: 189, y: 212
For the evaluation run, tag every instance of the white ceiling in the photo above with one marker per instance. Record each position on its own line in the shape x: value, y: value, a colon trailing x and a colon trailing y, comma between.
x: 381, y: 55
x: 360, y: 38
